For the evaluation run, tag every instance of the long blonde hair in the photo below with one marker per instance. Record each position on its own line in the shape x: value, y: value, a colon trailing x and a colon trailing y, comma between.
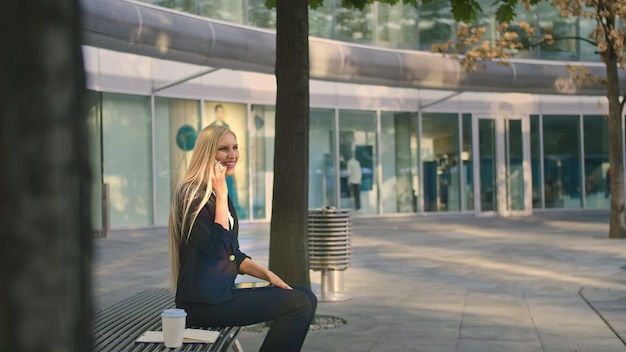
x: 192, y: 193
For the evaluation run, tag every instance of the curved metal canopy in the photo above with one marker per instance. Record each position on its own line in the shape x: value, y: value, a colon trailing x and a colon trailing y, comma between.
x: 143, y: 29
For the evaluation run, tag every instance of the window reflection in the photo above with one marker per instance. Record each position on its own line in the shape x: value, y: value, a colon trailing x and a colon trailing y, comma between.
x: 94, y: 128
x: 436, y: 24
x: 189, y: 6
x: 561, y: 147
x: 535, y: 160
x: 399, y: 148
x: 405, y: 27
x: 177, y: 122
x: 529, y: 50
x: 487, y: 159
x: 354, y: 25
x: 127, y: 158
x: 550, y: 22
x: 357, y: 140
x: 515, y: 164
x: 322, y: 20
x: 260, y: 16
x: 262, y: 159
x: 322, y: 186
x: 440, y: 162
x: 467, y: 159
x: 588, y: 51
x: 596, y: 142
x: 397, y: 26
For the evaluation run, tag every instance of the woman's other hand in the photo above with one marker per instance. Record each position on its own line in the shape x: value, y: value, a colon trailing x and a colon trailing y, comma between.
x: 277, y: 281
x: 250, y: 267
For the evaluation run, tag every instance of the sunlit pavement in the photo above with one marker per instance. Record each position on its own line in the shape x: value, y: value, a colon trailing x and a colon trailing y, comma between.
x: 550, y: 282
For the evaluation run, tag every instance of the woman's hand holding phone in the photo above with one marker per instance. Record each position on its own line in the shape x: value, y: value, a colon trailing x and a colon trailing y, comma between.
x: 219, y: 179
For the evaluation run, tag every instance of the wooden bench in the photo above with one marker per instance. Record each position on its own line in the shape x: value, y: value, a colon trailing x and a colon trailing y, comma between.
x: 116, y: 328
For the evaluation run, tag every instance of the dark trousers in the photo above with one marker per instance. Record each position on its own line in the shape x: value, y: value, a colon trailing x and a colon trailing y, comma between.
x: 291, y: 313
x: 355, y: 189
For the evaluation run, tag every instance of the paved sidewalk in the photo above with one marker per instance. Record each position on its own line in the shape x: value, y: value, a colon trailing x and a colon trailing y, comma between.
x: 550, y: 282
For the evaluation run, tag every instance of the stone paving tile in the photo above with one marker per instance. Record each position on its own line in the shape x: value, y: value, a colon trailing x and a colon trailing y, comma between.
x: 477, y: 345
x: 499, y: 332
x: 436, y: 284
x: 575, y: 343
x: 416, y: 347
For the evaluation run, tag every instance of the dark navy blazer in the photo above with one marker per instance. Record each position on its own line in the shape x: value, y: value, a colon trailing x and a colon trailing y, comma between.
x: 209, y: 261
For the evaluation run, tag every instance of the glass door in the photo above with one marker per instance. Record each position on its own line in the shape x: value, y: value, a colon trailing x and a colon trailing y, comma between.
x: 322, y: 170
x: 514, y: 165
x: 503, y: 166
x: 485, y: 162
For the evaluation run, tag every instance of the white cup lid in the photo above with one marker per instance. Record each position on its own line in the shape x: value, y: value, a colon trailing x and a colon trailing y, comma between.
x: 174, y: 313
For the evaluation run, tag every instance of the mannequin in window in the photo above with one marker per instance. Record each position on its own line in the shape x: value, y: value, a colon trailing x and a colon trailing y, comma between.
x: 220, y: 116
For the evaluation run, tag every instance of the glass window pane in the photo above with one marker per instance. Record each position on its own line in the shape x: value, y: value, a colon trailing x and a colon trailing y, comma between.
x: 94, y: 128
x: 322, y: 171
x: 528, y: 50
x: 262, y: 159
x: 436, y: 24
x: 234, y: 116
x: 353, y: 25
x: 399, y: 148
x: 467, y: 158
x: 127, y: 153
x: 440, y: 162
x: 551, y: 22
x: 396, y: 26
x: 177, y: 123
x: 561, y: 147
x: 322, y: 20
x: 357, y: 149
x: 588, y: 51
x: 261, y: 16
x: 515, y: 165
x: 224, y: 10
x: 596, y: 144
x: 535, y: 160
x: 486, y: 20
x: 487, y: 159
x: 189, y: 6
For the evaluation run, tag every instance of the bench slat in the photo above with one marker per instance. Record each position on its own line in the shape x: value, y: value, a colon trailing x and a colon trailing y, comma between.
x: 116, y: 328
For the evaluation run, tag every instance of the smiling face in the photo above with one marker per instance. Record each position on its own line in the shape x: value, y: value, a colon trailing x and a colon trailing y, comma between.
x: 228, y: 153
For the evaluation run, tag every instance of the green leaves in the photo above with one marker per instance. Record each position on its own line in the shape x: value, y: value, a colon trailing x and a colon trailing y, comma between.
x: 468, y: 10
x: 506, y: 10
x: 465, y: 10
x: 315, y: 3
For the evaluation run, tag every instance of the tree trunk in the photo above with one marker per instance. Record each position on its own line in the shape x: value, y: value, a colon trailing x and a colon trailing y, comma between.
x: 288, y: 227
x: 617, y: 226
x: 45, y: 255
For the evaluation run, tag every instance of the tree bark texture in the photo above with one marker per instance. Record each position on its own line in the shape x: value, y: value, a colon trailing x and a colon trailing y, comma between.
x: 45, y: 256
x: 288, y: 226
x: 617, y: 226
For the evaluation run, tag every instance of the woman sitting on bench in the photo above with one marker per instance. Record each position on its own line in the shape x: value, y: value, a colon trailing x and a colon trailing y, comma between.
x: 205, y: 257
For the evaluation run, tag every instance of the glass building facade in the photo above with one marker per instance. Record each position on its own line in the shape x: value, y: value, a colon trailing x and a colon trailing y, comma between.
x: 420, y: 151
x: 402, y: 26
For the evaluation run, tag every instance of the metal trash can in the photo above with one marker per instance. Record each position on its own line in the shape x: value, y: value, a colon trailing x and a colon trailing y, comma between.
x: 330, y: 249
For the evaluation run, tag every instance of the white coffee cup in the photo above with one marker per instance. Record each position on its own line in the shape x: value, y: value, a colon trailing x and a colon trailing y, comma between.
x: 173, y: 322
